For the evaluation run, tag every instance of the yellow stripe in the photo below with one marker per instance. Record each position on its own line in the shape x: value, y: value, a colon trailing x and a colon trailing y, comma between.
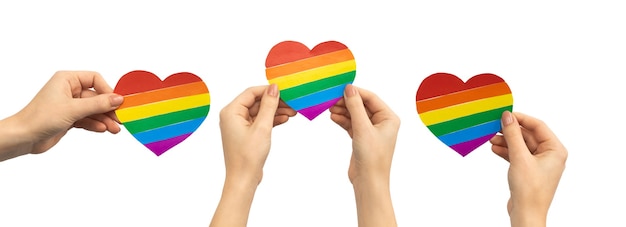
x: 311, y: 75
x: 163, y: 107
x: 465, y: 109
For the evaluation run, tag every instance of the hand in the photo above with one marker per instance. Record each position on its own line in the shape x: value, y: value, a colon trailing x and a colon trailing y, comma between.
x: 70, y: 99
x: 373, y: 128
x: 246, y: 125
x: 537, y: 160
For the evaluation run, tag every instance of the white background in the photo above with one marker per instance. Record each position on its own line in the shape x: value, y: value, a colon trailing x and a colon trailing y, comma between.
x: 563, y: 61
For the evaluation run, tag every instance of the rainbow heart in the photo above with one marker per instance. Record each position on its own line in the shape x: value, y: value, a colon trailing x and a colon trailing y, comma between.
x: 463, y: 115
x: 310, y: 81
x: 162, y: 114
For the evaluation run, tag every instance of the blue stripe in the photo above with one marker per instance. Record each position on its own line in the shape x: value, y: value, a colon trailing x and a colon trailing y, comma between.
x: 166, y: 132
x: 471, y: 133
x: 317, y: 97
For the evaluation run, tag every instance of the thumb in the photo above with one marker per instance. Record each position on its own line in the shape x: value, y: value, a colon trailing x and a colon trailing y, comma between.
x: 354, y: 104
x: 268, y: 107
x: 513, y: 136
x: 98, y: 104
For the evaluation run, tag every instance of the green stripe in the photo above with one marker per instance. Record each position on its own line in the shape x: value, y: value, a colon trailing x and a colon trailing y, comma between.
x: 467, y: 121
x: 315, y: 86
x: 166, y: 119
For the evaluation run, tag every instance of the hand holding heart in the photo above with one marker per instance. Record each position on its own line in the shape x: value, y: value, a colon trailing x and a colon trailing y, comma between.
x: 537, y: 160
x: 246, y: 126
x: 373, y: 127
x: 69, y: 99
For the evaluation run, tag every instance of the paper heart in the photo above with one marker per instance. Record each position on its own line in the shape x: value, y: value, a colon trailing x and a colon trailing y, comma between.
x: 310, y: 81
x: 162, y: 114
x: 463, y: 115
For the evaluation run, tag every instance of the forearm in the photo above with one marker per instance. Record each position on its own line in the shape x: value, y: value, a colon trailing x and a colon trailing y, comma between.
x: 14, y: 140
x: 234, y: 206
x: 373, y: 201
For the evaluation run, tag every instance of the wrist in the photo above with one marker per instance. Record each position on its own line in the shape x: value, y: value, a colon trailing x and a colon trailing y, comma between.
x: 239, y: 186
x: 236, y: 200
x: 360, y: 176
x: 370, y: 181
x: 16, y: 139
x: 243, y: 178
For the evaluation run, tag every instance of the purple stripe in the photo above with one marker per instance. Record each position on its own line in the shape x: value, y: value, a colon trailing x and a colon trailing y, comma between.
x: 314, y: 111
x: 162, y: 146
x: 466, y: 147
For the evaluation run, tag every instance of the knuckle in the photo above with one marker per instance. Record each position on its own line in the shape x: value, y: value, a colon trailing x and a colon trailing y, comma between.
x: 223, y: 112
x: 541, y: 122
x: 60, y: 74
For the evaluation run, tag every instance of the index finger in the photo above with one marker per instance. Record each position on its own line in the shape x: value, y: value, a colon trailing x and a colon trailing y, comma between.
x: 249, y: 96
x: 375, y: 105
x: 537, y: 128
x: 244, y: 101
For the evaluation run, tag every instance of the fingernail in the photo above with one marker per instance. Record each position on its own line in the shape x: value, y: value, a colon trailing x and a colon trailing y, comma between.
x: 116, y: 100
x: 507, y: 118
x: 350, y: 90
x: 273, y: 90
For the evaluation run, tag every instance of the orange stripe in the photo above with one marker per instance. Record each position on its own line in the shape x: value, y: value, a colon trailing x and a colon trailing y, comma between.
x: 462, y: 97
x: 164, y: 94
x: 308, y: 63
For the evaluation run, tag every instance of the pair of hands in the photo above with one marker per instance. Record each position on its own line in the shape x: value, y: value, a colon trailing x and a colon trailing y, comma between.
x: 246, y: 125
